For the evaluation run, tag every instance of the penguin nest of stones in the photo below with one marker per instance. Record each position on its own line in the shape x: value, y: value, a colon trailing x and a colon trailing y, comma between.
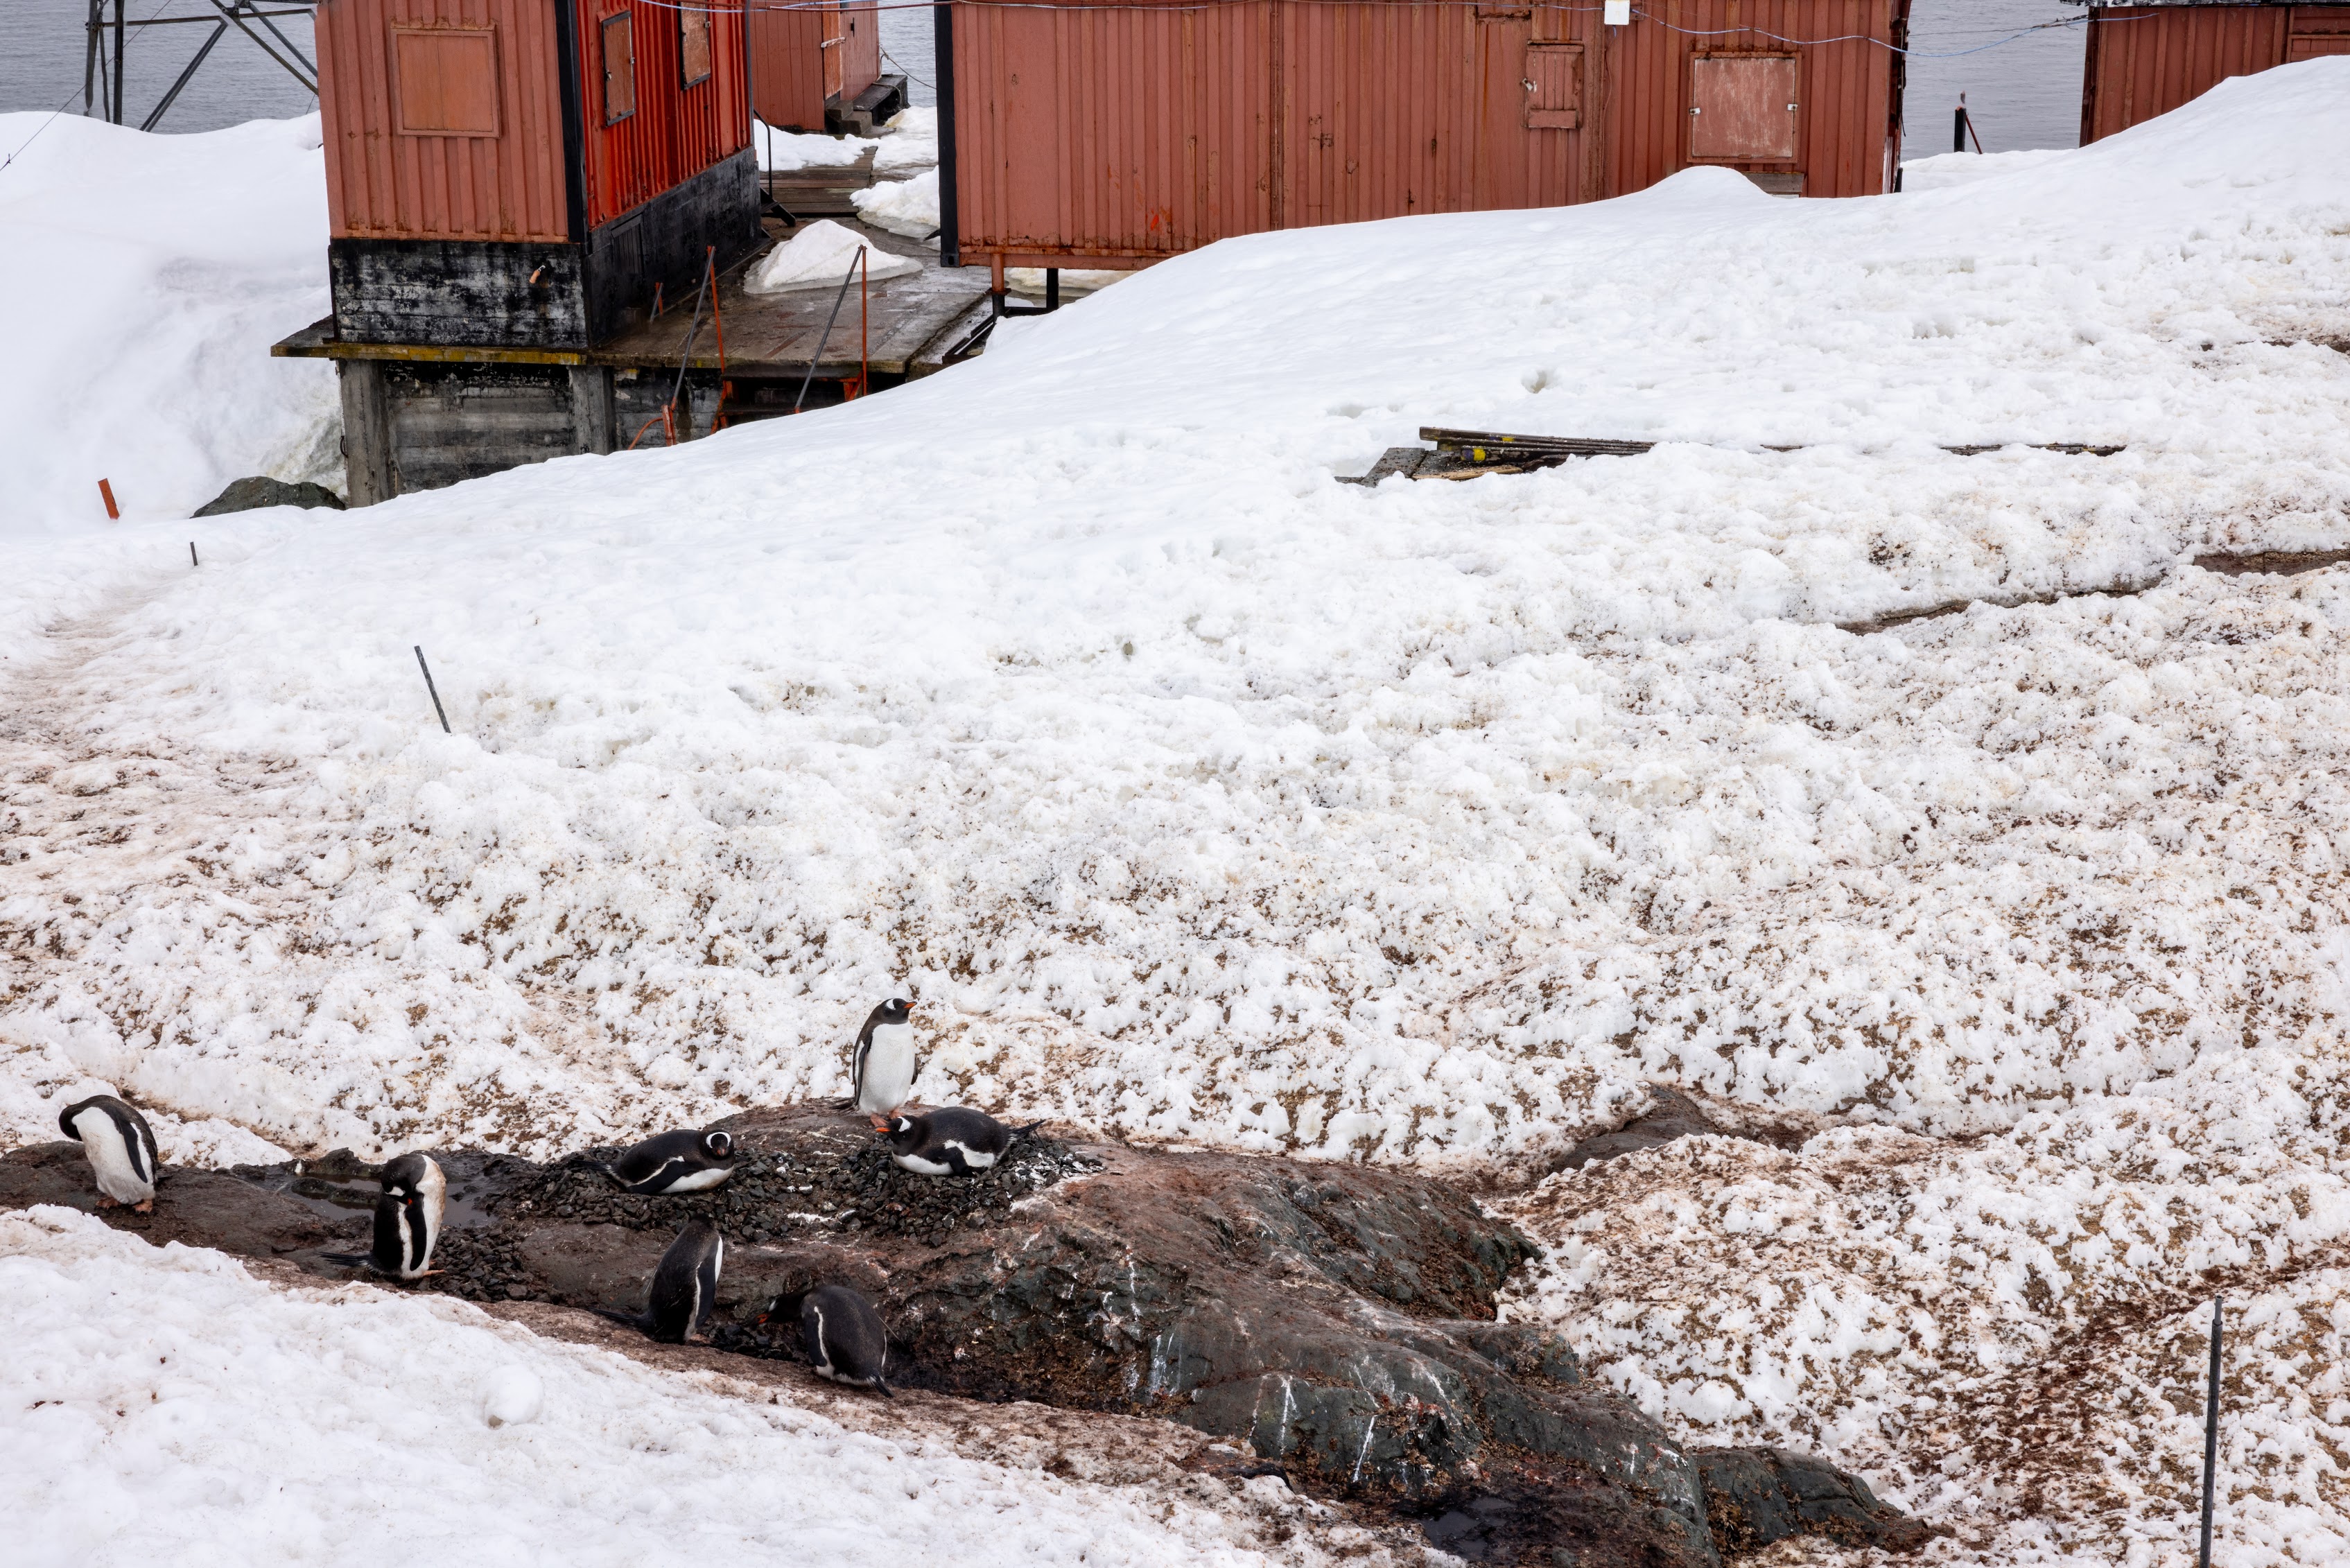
x: 814, y: 1189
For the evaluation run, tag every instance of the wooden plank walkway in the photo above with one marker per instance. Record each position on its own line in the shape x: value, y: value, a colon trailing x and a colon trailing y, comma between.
x: 908, y: 325
x: 774, y: 335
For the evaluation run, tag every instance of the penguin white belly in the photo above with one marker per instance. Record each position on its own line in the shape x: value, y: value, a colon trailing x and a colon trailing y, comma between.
x: 920, y: 1167
x: 888, y: 1081
x: 109, y: 1158
x: 700, y: 1179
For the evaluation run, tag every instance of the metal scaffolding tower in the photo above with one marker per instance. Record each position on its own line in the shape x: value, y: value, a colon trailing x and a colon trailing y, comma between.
x: 102, y: 68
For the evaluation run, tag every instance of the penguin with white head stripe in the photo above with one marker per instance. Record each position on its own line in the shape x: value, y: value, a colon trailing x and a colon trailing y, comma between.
x: 675, y: 1162
x: 951, y: 1141
x: 885, y: 1063
x: 122, y: 1150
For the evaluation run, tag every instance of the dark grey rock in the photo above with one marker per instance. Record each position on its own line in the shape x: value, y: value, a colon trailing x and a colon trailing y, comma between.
x: 257, y: 490
x: 1758, y: 1496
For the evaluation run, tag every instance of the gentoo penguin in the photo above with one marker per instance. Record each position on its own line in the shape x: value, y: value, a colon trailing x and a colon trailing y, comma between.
x: 675, y: 1162
x: 845, y: 1341
x: 122, y: 1150
x: 407, y: 1218
x: 951, y: 1141
x: 886, y: 1065
x: 685, y: 1286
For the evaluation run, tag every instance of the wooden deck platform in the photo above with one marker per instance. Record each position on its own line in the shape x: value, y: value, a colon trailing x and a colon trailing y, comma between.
x: 909, y: 328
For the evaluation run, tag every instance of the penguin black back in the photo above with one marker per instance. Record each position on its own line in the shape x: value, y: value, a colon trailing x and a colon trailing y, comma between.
x: 845, y: 1338
x: 685, y: 1161
x: 953, y: 1140
x: 685, y: 1286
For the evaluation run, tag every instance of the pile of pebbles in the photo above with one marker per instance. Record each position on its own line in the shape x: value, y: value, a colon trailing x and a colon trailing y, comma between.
x: 845, y: 1186
x: 481, y: 1265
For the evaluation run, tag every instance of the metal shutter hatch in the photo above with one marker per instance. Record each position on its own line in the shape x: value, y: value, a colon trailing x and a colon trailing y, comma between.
x: 445, y: 81
x: 1742, y: 107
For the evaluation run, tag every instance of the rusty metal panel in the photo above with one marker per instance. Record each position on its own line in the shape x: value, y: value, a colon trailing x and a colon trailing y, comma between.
x: 406, y: 88
x: 1120, y: 130
x: 2147, y: 61
x: 787, y: 66
x: 671, y: 130
x: 1742, y: 107
x: 693, y: 48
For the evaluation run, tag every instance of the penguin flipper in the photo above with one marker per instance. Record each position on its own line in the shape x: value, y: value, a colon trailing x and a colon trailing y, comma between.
x: 352, y: 1259
x: 883, y: 1384
x: 642, y: 1322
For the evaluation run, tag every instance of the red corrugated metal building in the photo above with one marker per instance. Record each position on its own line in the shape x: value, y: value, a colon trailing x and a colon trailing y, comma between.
x: 2146, y: 60
x: 525, y: 171
x: 1119, y: 133
x: 815, y: 64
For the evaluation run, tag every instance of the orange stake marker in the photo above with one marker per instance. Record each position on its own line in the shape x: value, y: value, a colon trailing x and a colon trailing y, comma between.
x: 106, y: 493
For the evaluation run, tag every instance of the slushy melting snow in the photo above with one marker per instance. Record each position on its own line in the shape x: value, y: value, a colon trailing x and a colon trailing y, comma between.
x: 1195, y: 795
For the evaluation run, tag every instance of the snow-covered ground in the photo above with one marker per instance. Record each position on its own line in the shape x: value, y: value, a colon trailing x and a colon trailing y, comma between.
x: 147, y: 276
x: 170, y: 1408
x: 1193, y: 794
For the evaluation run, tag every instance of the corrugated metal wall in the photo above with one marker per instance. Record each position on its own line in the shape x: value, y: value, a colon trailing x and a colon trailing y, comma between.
x: 804, y: 53
x: 676, y: 131
x: 2147, y: 61
x: 386, y: 183
x: 788, y: 64
x: 860, y: 51
x: 1129, y: 132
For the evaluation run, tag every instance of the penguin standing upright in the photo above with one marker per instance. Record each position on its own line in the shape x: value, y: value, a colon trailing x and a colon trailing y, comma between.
x: 122, y: 1150
x: 675, y: 1162
x: 407, y: 1218
x: 685, y: 1286
x: 886, y: 1065
x: 844, y: 1339
x: 949, y: 1142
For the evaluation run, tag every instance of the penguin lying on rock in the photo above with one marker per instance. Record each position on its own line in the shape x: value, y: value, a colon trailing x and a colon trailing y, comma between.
x: 685, y: 1286
x: 843, y: 1334
x: 122, y: 1150
x: 951, y: 1141
x: 675, y: 1162
x: 407, y: 1218
x: 884, y: 1064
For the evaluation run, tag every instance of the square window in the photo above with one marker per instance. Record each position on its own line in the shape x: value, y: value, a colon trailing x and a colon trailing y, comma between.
x: 445, y: 81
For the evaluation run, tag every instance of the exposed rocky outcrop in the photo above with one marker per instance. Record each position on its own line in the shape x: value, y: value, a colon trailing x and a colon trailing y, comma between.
x: 257, y: 490
x: 1335, y: 1321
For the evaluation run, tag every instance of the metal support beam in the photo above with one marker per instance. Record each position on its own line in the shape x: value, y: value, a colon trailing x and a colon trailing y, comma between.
x: 116, y: 115
x: 156, y: 115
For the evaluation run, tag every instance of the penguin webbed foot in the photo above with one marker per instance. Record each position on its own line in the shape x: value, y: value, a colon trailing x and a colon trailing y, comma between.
x: 106, y: 1202
x: 146, y: 1208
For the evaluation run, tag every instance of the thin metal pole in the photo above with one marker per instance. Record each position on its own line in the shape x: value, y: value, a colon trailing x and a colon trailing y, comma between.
x: 432, y: 689
x: 841, y: 294
x: 2211, y: 1439
x: 89, y: 77
x: 156, y: 115
x: 950, y: 217
x: 116, y: 115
